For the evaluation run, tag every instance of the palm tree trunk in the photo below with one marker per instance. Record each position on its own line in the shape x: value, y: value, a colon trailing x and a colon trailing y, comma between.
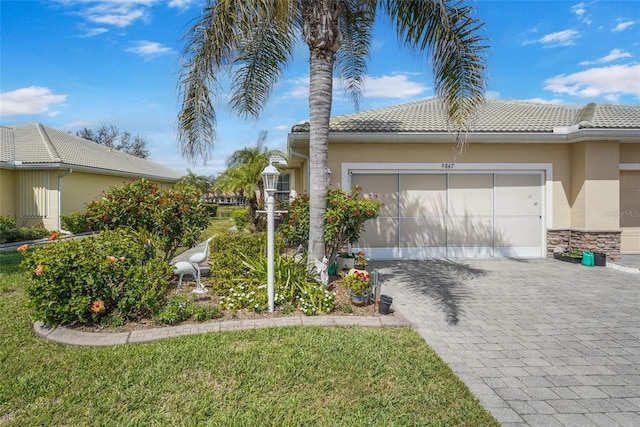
x: 320, y: 94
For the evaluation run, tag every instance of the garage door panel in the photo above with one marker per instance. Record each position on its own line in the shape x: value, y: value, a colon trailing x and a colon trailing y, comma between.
x: 469, y: 231
x: 423, y: 195
x: 379, y: 233
x: 518, y: 194
x: 423, y: 232
x: 385, y: 186
x: 470, y: 194
x: 518, y: 232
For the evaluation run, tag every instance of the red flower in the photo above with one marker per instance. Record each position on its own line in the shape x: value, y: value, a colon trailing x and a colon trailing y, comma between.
x: 23, y: 248
x: 39, y: 269
x: 53, y: 235
x: 112, y: 258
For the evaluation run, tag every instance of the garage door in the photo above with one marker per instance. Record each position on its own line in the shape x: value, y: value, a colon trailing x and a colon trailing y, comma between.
x: 630, y: 212
x: 459, y: 215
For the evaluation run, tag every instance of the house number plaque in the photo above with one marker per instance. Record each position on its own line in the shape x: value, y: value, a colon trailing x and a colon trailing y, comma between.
x: 448, y: 165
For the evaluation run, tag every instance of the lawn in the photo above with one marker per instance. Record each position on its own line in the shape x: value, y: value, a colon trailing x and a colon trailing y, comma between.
x: 299, y: 376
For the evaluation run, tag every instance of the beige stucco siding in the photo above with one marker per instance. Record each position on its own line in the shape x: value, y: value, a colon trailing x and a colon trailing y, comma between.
x: 7, y: 192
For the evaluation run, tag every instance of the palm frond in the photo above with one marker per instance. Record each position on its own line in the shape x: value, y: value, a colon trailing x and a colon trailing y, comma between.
x: 357, y: 21
x: 447, y: 30
x: 263, y: 53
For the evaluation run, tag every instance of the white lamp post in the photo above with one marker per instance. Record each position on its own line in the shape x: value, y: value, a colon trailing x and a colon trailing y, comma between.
x: 270, y: 176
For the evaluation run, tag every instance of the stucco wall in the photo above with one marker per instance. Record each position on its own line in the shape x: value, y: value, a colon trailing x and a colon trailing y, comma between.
x: 7, y: 192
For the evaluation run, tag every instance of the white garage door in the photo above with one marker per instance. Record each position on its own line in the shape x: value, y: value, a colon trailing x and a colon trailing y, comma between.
x: 454, y: 215
x: 630, y: 212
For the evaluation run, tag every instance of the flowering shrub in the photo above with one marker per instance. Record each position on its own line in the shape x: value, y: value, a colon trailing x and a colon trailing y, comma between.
x: 358, y: 282
x: 75, y: 222
x: 316, y: 299
x: 360, y: 260
x: 343, y: 222
x: 175, y: 218
x: 86, y: 280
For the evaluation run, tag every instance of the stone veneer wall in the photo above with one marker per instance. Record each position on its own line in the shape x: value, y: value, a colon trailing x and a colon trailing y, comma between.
x: 607, y: 242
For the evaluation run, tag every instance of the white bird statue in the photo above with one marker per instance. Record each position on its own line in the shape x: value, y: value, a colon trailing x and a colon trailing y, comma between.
x: 196, y: 259
x: 181, y: 268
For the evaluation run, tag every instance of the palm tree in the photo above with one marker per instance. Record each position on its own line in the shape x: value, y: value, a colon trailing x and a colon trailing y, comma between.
x: 198, y: 183
x: 244, y: 172
x: 255, y: 39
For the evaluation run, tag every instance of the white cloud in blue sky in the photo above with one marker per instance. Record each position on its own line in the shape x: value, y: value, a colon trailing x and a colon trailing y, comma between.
x: 71, y: 64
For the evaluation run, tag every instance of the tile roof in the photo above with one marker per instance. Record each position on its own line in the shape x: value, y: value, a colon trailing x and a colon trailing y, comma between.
x: 493, y: 116
x: 35, y: 144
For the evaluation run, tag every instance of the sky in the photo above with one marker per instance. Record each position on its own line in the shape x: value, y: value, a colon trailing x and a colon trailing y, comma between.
x: 73, y: 64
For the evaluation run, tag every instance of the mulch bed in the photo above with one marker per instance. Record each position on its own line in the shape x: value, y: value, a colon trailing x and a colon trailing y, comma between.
x: 343, y: 307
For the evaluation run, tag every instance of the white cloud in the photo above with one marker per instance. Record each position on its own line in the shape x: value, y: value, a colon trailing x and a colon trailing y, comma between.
x: 282, y: 127
x: 612, y: 56
x: 622, y: 26
x: 395, y: 86
x: 146, y: 48
x: 29, y: 100
x: 609, y: 82
x: 544, y: 101
x: 92, y: 32
x: 492, y: 94
x: 580, y: 11
x: 560, y: 38
x: 181, y: 4
x: 117, y: 13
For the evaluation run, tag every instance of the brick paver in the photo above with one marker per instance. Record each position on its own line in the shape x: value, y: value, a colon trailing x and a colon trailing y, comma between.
x: 539, y: 342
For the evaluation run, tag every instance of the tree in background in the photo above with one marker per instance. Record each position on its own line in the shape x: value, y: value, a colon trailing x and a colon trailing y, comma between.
x: 244, y: 173
x: 111, y: 137
x: 191, y: 181
x: 255, y: 40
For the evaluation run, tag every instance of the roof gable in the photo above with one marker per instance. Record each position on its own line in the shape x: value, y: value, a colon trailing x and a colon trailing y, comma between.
x: 35, y: 144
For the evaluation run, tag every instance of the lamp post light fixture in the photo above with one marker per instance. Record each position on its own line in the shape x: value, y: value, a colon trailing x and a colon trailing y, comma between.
x: 270, y: 176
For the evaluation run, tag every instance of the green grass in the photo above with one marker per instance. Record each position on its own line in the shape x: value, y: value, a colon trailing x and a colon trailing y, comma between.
x: 218, y: 225
x: 299, y: 376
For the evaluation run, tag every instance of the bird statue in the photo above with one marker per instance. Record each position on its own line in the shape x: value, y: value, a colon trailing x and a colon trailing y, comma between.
x: 181, y: 268
x: 196, y: 259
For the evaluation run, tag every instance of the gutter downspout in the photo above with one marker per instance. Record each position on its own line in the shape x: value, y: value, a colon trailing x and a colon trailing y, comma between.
x: 295, y: 153
x: 69, y: 172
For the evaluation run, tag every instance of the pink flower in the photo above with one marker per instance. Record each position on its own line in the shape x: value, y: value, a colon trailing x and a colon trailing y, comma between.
x: 39, y: 269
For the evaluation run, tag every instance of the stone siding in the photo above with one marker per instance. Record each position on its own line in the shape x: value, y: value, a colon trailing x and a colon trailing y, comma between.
x: 605, y: 241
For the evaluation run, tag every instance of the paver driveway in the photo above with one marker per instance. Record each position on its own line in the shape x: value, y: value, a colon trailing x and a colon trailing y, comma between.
x: 539, y: 342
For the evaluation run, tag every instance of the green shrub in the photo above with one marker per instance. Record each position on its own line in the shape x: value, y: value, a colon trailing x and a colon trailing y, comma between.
x: 7, y: 222
x: 176, y: 218
x: 294, y: 284
x: 226, y: 211
x: 202, y: 313
x: 240, y: 218
x: 75, y: 222
x: 175, y: 311
x: 211, y: 209
x: 228, y: 251
x: 11, y: 235
x: 87, y: 280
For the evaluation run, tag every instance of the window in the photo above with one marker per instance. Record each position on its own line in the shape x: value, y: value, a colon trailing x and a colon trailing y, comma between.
x: 283, y: 187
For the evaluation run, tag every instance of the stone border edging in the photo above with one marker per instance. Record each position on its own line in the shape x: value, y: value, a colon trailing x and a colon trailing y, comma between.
x: 63, y: 335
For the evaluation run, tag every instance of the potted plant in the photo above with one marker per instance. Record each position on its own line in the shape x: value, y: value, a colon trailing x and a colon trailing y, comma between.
x: 360, y: 262
x: 345, y: 261
x: 358, y: 284
x: 573, y: 256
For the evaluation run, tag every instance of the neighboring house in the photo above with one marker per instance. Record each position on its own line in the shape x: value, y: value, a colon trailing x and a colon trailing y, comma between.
x: 226, y: 199
x: 45, y: 172
x: 533, y: 177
